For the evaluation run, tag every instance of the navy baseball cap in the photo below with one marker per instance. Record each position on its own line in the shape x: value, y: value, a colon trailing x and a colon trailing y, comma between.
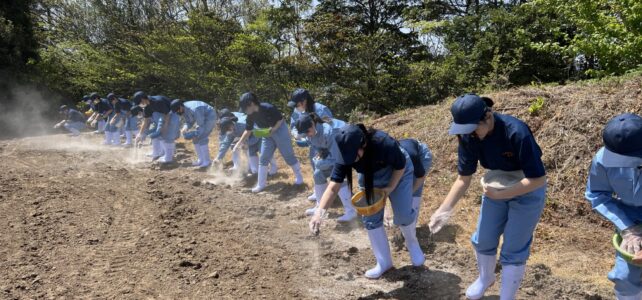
x: 623, y: 141
x: 225, y: 112
x: 138, y: 96
x: 94, y: 96
x: 298, y: 96
x: 175, y: 105
x: 349, y: 139
x: 111, y: 96
x: 62, y: 108
x: 303, y: 124
x: 246, y: 99
x: 467, y: 111
x: 85, y: 98
x: 135, y: 110
x: 226, y: 122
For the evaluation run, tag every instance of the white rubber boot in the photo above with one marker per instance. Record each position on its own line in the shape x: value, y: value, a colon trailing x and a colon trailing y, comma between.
x: 486, y: 268
x: 349, y: 213
x: 101, y: 126
x: 236, y: 161
x: 107, y: 139
x: 318, y: 189
x: 410, y: 235
x: 169, y: 148
x: 115, y: 138
x: 157, y: 148
x: 381, y: 251
x: 254, y: 164
x: 261, y: 182
x: 273, y: 167
x: 618, y: 296
x: 511, y: 280
x: 199, y: 154
x: 312, y: 197
x: 205, y: 158
x: 128, y: 138
x: 296, y: 168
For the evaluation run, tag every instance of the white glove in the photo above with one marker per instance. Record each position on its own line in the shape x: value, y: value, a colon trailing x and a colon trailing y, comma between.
x: 632, y: 239
x: 438, y: 220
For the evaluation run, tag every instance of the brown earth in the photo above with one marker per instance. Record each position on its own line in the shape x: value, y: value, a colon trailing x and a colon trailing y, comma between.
x: 85, y: 221
x: 81, y: 220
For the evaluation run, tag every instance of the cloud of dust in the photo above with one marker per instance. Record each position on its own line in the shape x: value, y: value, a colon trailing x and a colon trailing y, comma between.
x: 25, y: 111
x: 218, y: 176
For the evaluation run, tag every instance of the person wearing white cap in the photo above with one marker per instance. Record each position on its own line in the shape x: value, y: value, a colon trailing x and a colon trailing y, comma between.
x: 302, y: 103
x: 500, y: 143
x: 320, y: 134
x: 614, y: 189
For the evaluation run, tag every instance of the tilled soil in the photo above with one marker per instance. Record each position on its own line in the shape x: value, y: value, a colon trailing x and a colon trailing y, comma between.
x: 86, y: 221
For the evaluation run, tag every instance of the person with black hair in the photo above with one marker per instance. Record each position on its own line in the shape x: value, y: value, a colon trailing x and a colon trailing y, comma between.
x: 156, y: 111
x: 266, y: 116
x: 74, y: 121
x: 303, y: 103
x: 98, y: 108
x: 614, y: 189
x: 320, y: 133
x: 383, y: 164
x: 102, y: 111
x: 203, y: 117
x: 230, y: 133
x: 503, y: 145
x: 119, y: 117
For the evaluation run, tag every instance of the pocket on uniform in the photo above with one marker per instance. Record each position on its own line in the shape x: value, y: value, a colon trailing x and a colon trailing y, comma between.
x: 621, y: 182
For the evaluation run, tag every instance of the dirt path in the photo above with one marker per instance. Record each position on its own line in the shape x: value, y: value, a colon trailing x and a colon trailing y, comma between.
x: 83, y: 221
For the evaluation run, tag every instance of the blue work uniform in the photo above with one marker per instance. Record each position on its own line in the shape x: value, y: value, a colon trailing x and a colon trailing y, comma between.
x: 324, y: 144
x: 421, y: 158
x: 121, y: 111
x: 173, y: 128
x: 203, y: 116
x: 158, y: 107
x: 510, y: 146
x: 387, y: 157
x: 320, y: 110
x: 616, y: 194
x: 75, y: 120
x: 226, y: 140
x: 267, y: 116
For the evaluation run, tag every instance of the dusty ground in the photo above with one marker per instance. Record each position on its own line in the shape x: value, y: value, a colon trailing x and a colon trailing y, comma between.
x: 85, y: 221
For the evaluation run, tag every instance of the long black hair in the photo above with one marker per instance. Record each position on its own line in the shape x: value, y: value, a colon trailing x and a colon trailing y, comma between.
x: 309, y: 104
x: 368, y: 162
x: 317, y: 119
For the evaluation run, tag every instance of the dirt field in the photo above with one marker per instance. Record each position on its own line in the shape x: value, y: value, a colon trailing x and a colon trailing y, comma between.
x: 86, y: 221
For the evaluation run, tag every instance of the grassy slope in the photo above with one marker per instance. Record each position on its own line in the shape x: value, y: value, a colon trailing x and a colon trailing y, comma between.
x: 571, y: 239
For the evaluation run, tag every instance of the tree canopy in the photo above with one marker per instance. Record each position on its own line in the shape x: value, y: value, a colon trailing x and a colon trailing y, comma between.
x: 361, y: 55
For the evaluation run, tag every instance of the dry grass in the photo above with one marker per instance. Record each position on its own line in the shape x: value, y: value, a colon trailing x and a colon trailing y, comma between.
x: 571, y: 239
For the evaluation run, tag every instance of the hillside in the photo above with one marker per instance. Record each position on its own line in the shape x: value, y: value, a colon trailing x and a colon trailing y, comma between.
x: 571, y: 238
x: 80, y: 220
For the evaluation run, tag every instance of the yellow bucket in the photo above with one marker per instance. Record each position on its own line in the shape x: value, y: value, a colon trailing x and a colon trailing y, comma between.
x: 361, y: 205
